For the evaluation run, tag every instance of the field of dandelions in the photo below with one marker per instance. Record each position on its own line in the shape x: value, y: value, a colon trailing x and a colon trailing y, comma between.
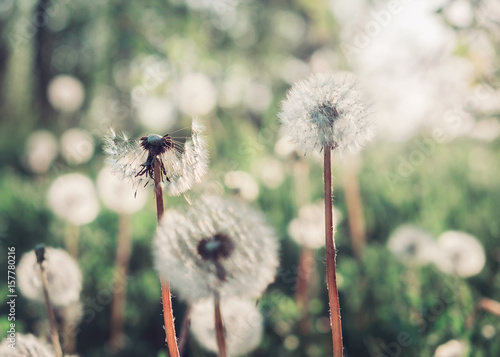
x: 226, y: 113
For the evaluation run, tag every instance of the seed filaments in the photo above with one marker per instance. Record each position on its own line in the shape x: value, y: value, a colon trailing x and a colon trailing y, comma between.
x: 155, y: 145
x: 214, y: 249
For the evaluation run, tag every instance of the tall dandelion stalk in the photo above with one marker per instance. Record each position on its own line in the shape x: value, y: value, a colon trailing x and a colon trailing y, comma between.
x: 327, y: 113
x: 169, y: 166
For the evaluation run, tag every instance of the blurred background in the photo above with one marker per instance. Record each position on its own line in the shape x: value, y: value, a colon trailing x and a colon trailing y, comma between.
x: 417, y: 210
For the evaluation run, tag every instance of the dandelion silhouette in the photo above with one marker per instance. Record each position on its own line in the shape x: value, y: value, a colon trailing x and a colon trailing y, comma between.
x: 326, y: 113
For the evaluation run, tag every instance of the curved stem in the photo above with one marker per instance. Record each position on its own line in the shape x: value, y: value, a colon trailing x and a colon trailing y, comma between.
x: 219, y: 327
x: 166, y: 296
x: 333, y: 294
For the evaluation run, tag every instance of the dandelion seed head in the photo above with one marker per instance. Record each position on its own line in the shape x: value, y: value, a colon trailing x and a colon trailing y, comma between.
x: 182, y: 166
x: 66, y: 93
x: 461, y: 254
x: 63, y: 276
x: 217, y: 246
x: 308, y: 229
x: 77, y: 146
x: 326, y: 109
x: 413, y: 245
x: 26, y: 346
x: 452, y: 348
x: 73, y: 198
x: 41, y: 151
x: 242, y: 323
x: 118, y: 195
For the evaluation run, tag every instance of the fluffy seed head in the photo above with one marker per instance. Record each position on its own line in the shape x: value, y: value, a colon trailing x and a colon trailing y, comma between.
x: 461, y: 254
x: 63, y: 276
x: 242, y: 325
x: 181, y: 165
x: 73, y: 198
x: 326, y: 109
x: 413, y: 245
x: 218, y: 246
x: 308, y: 229
x: 26, y: 346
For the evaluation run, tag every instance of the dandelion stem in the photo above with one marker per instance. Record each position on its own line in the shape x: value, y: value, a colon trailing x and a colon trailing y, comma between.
x: 305, y: 270
x: 219, y: 327
x: 186, y: 321
x: 354, y: 211
x: 166, y: 297
x: 119, y: 286
x: 71, y: 240
x: 333, y: 295
x: 50, y: 312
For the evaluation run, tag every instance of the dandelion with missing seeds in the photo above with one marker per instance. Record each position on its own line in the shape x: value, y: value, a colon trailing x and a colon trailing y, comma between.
x: 180, y: 165
x: 168, y: 165
x: 325, y: 113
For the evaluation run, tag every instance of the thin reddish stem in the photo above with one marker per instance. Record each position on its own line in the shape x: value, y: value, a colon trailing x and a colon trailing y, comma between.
x: 333, y: 294
x: 304, y: 272
x: 219, y: 328
x: 166, y: 296
x: 354, y: 211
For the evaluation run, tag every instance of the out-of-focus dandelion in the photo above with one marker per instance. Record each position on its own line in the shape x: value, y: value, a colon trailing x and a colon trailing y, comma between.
x: 119, y: 196
x: 243, y: 184
x: 461, y: 254
x: 308, y: 229
x: 73, y: 198
x: 66, y: 93
x: 242, y: 322
x: 413, y: 245
x: 327, y: 112
x: 157, y: 113
x: 77, y: 146
x: 63, y: 276
x: 270, y: 171
x: 218, y: 246
x: 196, y: 94
x: 25, y: 346
x: 41, y: 151
x: 453, y: 348
x: 181, y: 166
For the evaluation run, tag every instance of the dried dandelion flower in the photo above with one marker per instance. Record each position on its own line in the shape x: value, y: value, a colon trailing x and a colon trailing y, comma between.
x: 308, y: 229
x: 242, y: 324
x: 26, y: 346
x: 412, y: 245
x: 326, y: 110
x: 220, y: 246
x: 181, y: 166
x: 118, y: 195
x: 63, y: 276
x: 73, y: 198
x: 461, y: 254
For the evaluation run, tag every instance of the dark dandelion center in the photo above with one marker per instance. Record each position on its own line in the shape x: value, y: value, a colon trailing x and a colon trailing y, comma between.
x: 155, y: 145
x: 214, y: 249
x: 325, y: 111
